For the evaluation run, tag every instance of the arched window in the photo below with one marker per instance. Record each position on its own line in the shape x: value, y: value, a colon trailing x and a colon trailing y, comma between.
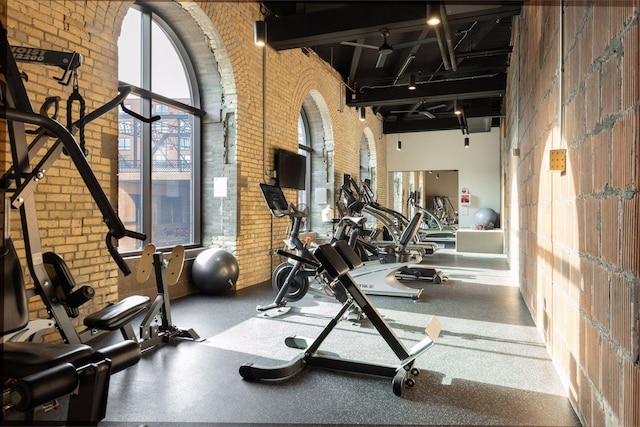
x: 158, y: 179
x: 304, y: 149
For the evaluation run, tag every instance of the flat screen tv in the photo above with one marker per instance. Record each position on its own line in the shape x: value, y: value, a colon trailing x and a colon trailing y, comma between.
x: 291, y: 169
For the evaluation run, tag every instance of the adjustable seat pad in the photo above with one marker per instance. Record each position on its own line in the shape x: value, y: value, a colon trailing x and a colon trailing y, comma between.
x: 410, y: 230
x: 333, y: 263
x: 20, y: 359
x: 115, y: 316
x: 356, y: 220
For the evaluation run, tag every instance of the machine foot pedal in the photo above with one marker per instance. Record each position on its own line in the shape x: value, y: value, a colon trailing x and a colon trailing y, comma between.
x: 145, y: 265
x: 174, y: 268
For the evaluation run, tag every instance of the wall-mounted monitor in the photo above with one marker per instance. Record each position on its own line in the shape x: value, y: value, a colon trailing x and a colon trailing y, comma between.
x: 291, y: 169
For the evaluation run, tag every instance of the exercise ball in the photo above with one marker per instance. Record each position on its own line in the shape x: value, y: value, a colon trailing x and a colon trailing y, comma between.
x: 486, y: 219
x: 215, y: 271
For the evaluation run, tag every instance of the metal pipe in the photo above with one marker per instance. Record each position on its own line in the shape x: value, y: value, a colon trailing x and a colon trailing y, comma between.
x: 443, y: 53
x: 447, y: 35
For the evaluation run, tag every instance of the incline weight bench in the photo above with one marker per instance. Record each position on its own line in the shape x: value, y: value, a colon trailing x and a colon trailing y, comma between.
x: 337, y: 260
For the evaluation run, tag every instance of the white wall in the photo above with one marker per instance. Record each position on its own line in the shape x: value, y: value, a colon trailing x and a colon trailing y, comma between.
x: 478, y: 166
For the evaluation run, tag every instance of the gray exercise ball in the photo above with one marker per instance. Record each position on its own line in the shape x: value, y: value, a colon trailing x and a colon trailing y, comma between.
x: 486, y: 218
x: 215, y: 271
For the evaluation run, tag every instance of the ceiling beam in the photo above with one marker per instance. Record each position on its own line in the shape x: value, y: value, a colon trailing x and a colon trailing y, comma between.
x: 355, y: 61
x: 441, y: 91
x: 358, y: 21
x: 429, y: 125
x: 420, y: 125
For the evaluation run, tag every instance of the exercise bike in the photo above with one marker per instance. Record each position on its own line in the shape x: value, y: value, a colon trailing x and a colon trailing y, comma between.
x: 291, y: 279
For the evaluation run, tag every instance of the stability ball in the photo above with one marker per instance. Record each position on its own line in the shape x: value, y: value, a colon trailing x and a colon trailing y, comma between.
x: 486, y: 219
x: 215, y: 271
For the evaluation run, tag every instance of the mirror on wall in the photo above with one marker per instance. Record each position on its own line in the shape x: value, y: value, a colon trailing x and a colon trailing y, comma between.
x: 435, y: 190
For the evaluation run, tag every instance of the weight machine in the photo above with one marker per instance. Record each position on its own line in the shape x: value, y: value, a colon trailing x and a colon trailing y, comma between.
x: 52, y: 279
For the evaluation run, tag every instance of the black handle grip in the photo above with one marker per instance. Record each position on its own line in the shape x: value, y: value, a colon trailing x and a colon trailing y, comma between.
x: 138, y: 116
x: 122, y: 265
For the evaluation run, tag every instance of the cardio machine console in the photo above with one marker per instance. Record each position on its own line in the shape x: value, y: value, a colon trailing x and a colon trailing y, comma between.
x: 274, y: 197
x: 277, y: 203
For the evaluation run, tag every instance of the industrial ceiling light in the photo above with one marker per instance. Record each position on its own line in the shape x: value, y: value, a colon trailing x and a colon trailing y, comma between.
x: 412, y: 82
x: 466, y: 142
x: 399, y: 145
x: 433, y: 13
x: 362, y: 114
x: 260, y: 33
x: 456, y: 109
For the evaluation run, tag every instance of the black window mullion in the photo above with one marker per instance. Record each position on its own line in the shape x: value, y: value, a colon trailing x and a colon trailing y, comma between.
x: 145, y: 79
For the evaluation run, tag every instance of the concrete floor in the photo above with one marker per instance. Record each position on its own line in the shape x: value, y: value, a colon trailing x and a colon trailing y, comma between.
x: 488, y: 367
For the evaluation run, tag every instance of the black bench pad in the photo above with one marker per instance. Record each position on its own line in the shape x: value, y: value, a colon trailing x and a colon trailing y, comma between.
x: 114, y: 316
x: 20, y: 359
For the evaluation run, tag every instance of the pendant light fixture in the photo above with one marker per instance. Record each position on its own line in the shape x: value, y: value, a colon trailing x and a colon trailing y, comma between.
x: 412, y: 82
x: 260, y: 33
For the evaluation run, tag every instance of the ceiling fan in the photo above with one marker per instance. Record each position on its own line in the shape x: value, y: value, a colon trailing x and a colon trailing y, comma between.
x: 386, y: 49
x: 424, y: 111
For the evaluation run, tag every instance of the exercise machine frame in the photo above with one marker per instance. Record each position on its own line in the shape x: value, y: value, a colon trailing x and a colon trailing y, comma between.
x: 295, y: 284
x: 337, y: 260
x: 21, y: 180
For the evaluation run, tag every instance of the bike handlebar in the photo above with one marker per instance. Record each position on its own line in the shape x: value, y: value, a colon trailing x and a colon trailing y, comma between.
x: 290, y: 211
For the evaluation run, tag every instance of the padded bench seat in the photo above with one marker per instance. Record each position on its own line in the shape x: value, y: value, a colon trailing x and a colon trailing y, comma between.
x: 115, y: 316
x: 20, y: 359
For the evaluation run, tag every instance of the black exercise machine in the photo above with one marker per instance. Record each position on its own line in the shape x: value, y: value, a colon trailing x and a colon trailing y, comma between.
x: 337, y: 260
x: 290, y: 279
x: 53, y: 280
x: 35, y: 375
x: 157, y: 326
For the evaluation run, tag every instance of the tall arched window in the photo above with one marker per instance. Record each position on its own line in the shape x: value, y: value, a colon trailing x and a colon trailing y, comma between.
x: 158, y: 179
x: 304, y: 149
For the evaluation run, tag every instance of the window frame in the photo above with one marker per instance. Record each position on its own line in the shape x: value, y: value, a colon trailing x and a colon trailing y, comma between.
x: 147, y: 99
x: 308, y: 152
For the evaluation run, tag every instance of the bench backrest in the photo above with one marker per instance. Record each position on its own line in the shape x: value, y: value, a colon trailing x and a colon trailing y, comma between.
x: 410, y: 230
x: 348, y: 254
x: 15, y: 314
x: 331, y: 261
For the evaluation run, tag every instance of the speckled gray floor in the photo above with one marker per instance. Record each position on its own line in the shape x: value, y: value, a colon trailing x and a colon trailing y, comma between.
x: 488, y: 367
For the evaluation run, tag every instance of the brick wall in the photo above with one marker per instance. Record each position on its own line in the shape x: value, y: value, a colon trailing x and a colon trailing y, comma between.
x: 70, y: 223
x: 573, y: 236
